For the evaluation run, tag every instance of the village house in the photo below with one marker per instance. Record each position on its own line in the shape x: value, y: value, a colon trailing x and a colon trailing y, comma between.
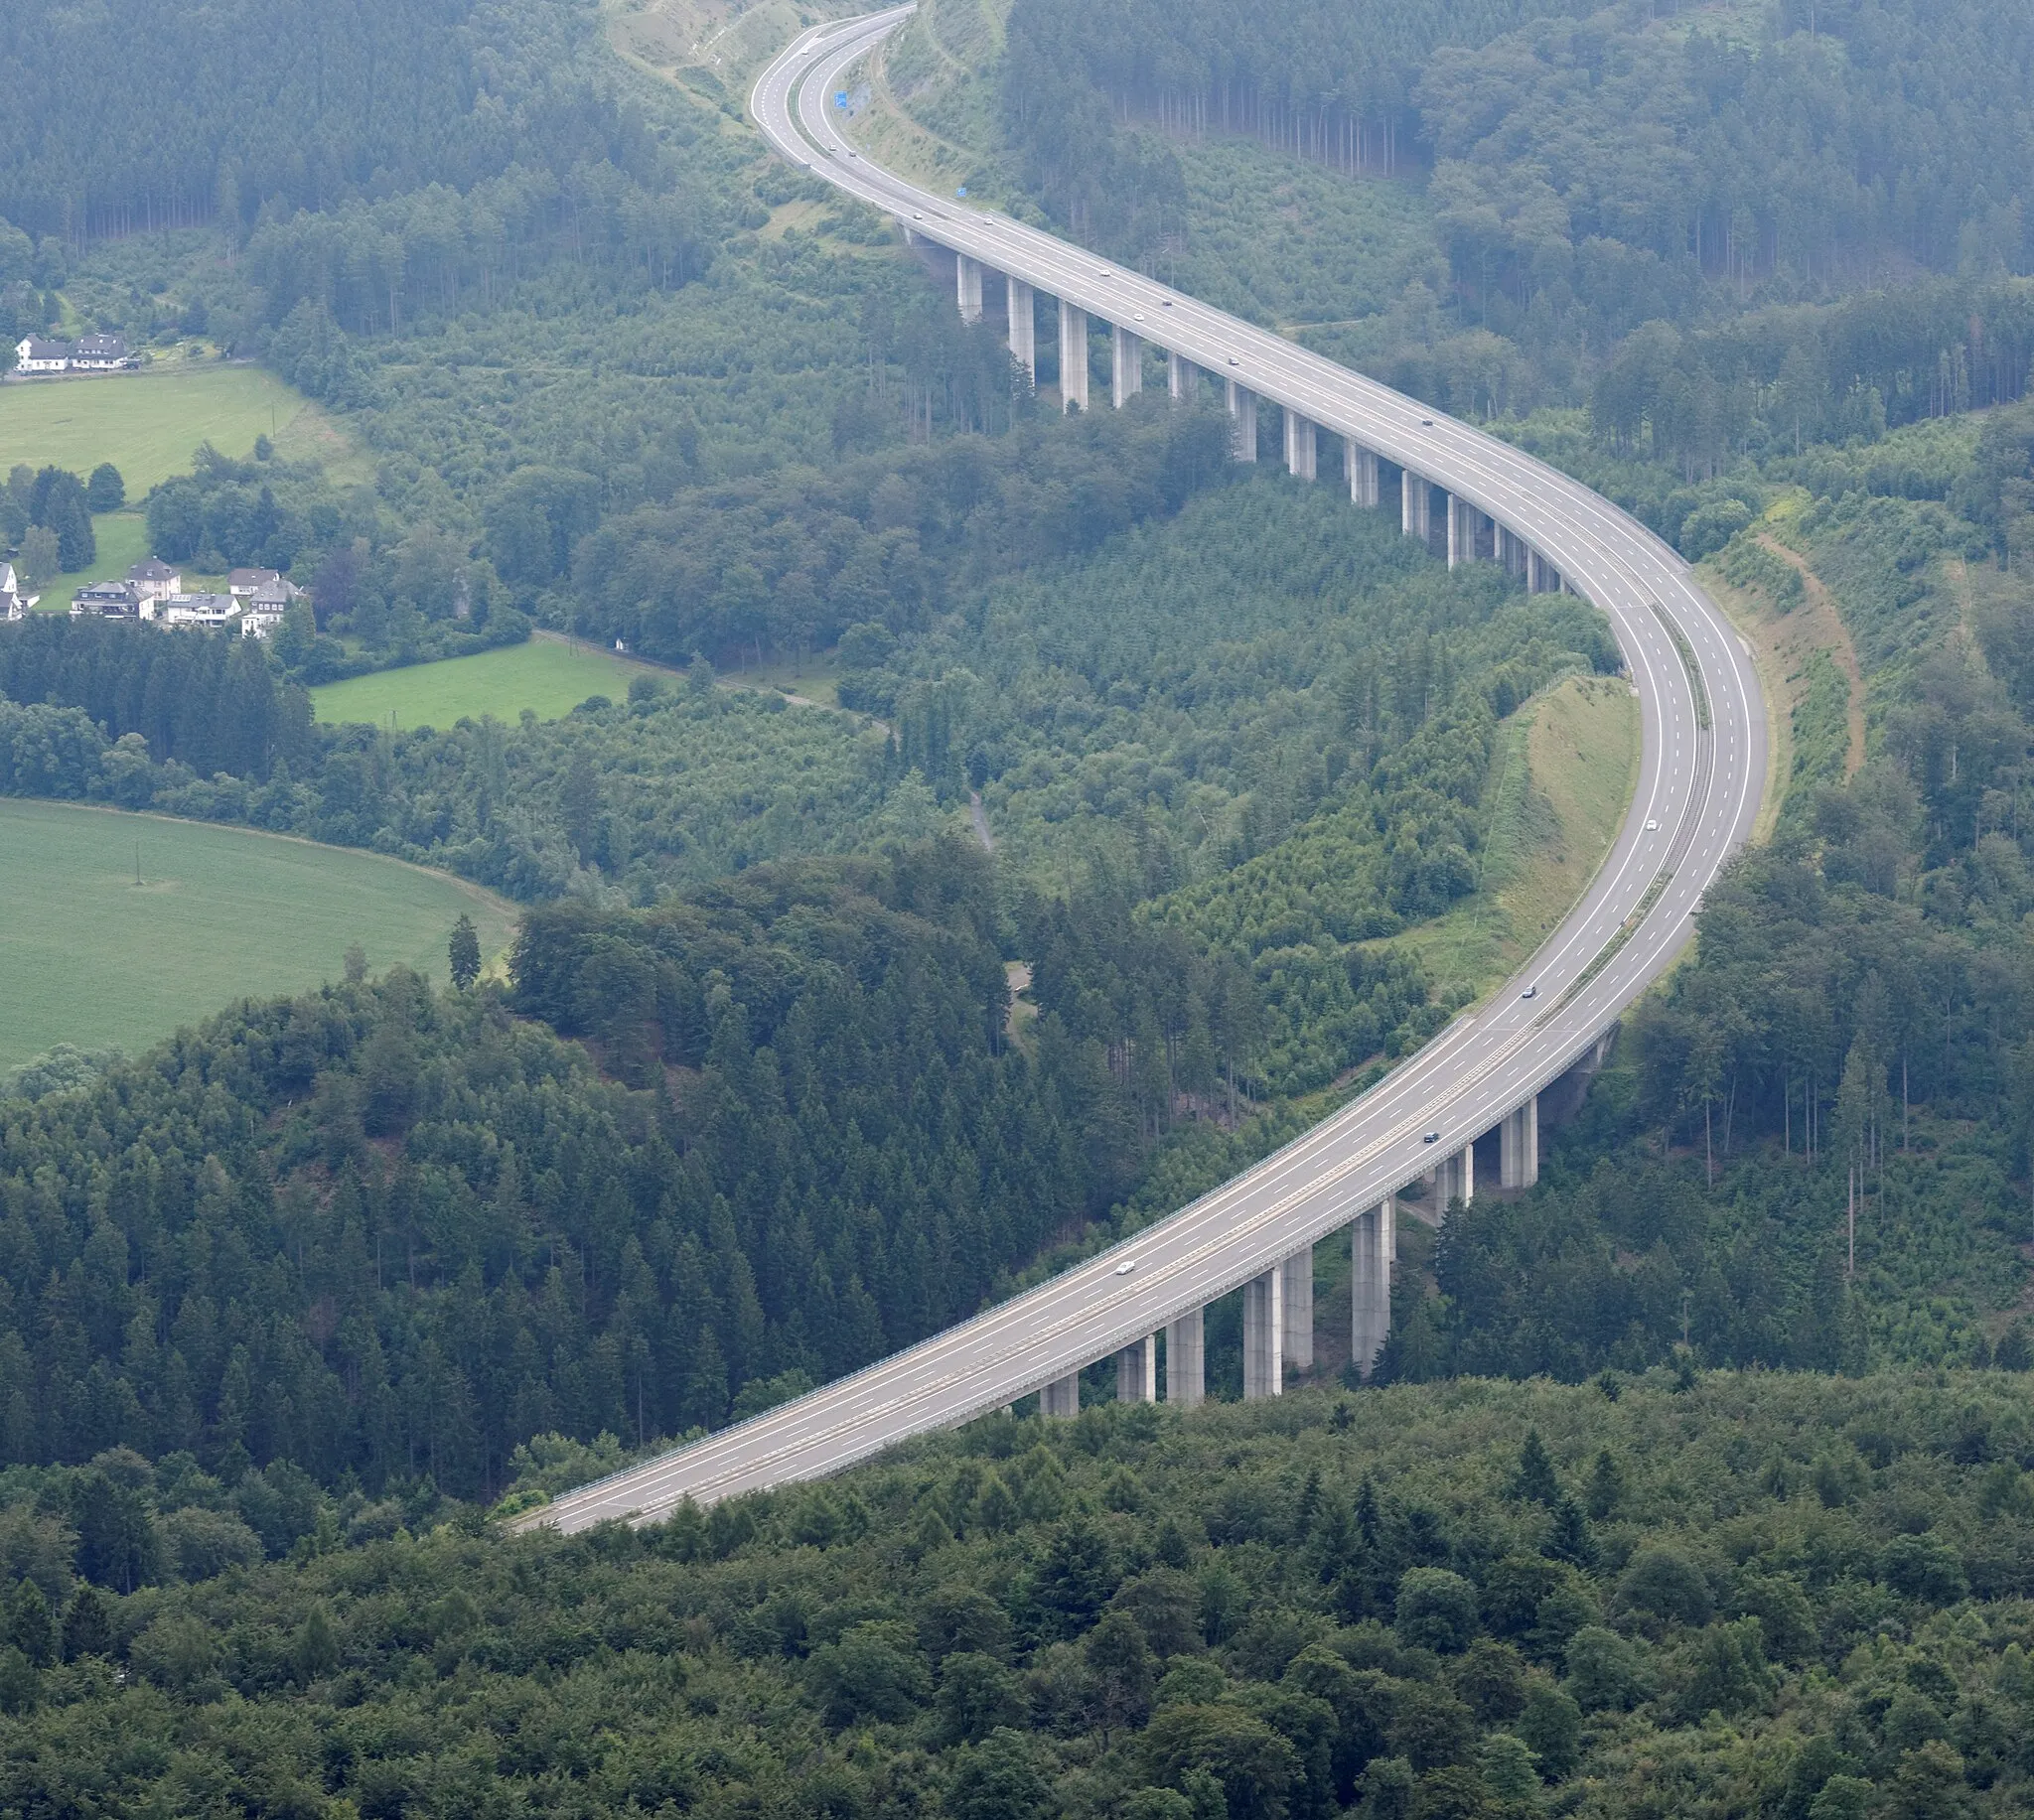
x: 13, y: 602
x: 214, y: 611
x: 245, y: 584
x: 263, y: 609
x: 155, y: 581
x: 106, y: 600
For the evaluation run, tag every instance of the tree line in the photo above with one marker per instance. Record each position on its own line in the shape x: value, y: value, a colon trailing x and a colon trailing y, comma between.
x: 1795, y: 1596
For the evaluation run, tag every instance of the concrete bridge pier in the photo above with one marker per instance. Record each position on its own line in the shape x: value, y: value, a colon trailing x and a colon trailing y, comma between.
x: 967, y: 285
x: 1415, y: 506
x: 1519, y: 1146
x: 1373, y: 1249
x: 1179, y: 374
x: 1453, y: 1179
x: 1302, y: 446
x: 1242, y: 413
x: 1062, y: 1397
x: 1359, y: 464
x: 1023, y: 328
x: 1297, y: 1301
x: 1461, y: 526
x: 1186, y: 1360
x: 1073, y: 358
x: 1137, y: 1371
x: 1126, y: 365
x: 1263, y: 1336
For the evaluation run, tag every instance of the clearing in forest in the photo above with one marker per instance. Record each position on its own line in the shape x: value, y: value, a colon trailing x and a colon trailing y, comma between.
x: 147, y: 423
x: 89, y: 958
x: 549, y: 676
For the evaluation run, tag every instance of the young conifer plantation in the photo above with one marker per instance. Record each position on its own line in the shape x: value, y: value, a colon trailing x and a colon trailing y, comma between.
x: 1017, y: 824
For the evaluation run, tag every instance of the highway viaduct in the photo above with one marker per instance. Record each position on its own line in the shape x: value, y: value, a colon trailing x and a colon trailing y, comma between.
x: 1471, y: 498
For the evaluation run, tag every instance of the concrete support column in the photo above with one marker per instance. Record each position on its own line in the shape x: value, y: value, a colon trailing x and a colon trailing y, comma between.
x: 1243, y: 411
x: 967, y: 286
x: 1519, y: 1146
x: 1023, y: 329
x: 1302, y: 446
x: 1073, y: 358
x: 1137, y: 1371
x: 1126, y: 365
x: 1296, y: 1299
x: 1263, y: 1336
x: 1533, y: 565
x: 1415, y: 506
x: 1060, y: 1398
x: 1461, y: 538
x: 1373, y: 1248
x: 1186, y: 1360
x: 1179, y: 374
x: 1459, y: 1177
x: 1361, y: 465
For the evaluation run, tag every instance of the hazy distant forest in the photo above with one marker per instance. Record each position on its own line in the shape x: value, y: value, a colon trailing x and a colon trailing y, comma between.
x: 1659, y: 1507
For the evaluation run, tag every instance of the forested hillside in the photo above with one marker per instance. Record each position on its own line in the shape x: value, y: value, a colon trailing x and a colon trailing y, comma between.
x: 381, y: 1232
x: 1723, y: 236
x: 263, y: 115
x: 1747, y: 1595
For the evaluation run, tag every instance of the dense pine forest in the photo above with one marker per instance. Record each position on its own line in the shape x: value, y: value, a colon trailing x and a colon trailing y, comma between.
x: 1759, y: 1594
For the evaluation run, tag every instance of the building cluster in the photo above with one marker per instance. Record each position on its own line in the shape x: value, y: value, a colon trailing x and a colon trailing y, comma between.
x: 89, y: 353
x: 253, y: 603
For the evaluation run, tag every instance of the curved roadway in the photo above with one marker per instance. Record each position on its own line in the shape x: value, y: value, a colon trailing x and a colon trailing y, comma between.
x: 1701, y: 779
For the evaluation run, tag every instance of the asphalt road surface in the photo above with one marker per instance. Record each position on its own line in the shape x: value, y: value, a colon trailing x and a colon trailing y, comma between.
x: 1701, y: 775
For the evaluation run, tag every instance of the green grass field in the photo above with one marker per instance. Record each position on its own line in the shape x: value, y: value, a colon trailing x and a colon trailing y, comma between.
x: 122, y: 539
x: 147, y: 423
x: 89, y: 957
x: 546, y: 675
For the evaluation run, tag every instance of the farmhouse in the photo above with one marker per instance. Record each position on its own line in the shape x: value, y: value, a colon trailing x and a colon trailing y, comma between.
x: 92, y: 353
x: 98, y: 354
x: 34, y: 355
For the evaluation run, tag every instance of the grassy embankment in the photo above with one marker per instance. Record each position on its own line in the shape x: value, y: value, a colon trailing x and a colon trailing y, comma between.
x: 91, y: 958
x: 1556, y: 796
x: 147, y: 424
